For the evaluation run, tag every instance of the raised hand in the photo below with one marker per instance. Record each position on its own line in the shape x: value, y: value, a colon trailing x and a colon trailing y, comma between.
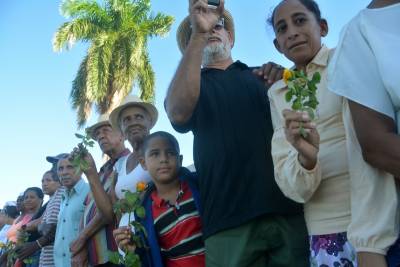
x: 203, y: 19
x: 269, y: 72
x: 308, y: 146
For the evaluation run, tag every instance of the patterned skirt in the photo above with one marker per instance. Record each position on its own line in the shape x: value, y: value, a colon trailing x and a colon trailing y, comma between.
x: 332, y: 250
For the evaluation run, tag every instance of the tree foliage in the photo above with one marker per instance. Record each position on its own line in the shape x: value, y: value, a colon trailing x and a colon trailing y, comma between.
x: 117, y: 58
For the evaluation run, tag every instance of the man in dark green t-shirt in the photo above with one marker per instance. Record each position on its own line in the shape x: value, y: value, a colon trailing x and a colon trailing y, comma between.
x: 246, y: 219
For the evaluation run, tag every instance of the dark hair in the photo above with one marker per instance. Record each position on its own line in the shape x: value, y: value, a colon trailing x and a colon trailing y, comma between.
x: 37, y: 190
x: 53, y: 174
x: 311, y: 5
x: 164, y: 135
x: 11, y: 211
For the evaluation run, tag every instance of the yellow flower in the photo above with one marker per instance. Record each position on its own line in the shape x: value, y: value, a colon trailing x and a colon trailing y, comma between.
x: 141, y: 186
x: 2, y: 245
x: 287, y: 74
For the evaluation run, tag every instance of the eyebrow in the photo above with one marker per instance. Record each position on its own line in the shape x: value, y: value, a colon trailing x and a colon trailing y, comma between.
x: 293, y: 15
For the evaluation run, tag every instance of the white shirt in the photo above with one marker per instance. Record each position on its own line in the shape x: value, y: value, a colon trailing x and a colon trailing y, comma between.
x: 366, y: 70
x: 366, y: 65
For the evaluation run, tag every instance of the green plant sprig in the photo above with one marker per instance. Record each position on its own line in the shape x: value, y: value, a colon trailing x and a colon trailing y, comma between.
x: 131, y: 204
x: 302, y: 92
x: 78, y: 157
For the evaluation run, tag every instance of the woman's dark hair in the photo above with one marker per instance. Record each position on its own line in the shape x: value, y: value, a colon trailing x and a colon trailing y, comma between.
x: 311, y: 5
x: 164, y: 135
x: 11, y: 211
x: 53, y: 174
x: 37, y: 191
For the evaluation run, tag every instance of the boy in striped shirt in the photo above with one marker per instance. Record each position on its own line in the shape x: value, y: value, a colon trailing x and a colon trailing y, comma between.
x: 172, y: 217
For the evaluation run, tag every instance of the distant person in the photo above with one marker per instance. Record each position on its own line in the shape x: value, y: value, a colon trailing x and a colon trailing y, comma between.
x: 71, y: 210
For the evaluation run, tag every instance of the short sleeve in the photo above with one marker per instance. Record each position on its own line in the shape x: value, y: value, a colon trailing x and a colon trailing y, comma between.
x: 353, y: 71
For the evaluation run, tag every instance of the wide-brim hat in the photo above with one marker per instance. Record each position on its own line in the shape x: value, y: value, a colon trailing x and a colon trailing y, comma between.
x: 184, y: 30
x: 133, y: 101
x: 101, y: 121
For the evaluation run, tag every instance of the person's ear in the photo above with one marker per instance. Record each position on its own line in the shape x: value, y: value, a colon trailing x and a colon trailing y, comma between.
x: 143, y: 163
x: 323, y: 24
x: 277, y: 46
x: 230, y: 35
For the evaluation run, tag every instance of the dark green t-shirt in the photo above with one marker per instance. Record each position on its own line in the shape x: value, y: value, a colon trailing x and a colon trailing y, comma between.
x: 232, y: 132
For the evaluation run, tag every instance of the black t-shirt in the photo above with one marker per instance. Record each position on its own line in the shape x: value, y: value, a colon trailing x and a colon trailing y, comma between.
x: 232, y: 132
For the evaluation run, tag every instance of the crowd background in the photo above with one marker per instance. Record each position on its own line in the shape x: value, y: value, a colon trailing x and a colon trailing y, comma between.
x: 35, y: 82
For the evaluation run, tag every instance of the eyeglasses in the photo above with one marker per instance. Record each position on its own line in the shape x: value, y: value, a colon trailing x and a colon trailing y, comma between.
x: 220, y: 24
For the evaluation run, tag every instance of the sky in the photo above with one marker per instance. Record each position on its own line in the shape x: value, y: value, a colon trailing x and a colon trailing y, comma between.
x: 35, y: 82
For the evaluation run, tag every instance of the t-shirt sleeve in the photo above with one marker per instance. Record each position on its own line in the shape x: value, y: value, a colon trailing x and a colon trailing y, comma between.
x: 353, y: 71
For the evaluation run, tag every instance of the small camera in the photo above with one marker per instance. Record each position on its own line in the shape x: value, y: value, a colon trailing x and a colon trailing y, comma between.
x: 213, y: 3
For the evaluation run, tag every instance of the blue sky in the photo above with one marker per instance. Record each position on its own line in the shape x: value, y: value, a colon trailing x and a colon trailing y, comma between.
x: 35, y: 81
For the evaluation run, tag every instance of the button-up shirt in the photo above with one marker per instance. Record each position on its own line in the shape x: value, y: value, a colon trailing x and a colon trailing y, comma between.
x: 69, y: 218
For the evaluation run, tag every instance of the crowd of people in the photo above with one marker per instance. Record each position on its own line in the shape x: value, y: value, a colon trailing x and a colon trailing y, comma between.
x: 272, y: 186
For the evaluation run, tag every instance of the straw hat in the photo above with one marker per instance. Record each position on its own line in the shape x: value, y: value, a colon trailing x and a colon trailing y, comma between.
x: 101, y: 121
x: 184, y: 30
x: 133, y: 101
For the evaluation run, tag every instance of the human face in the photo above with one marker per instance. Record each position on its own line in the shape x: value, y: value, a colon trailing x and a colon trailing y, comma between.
x: 67, y: 173
x: 162, y: 161
x: 108, y: 139
x: 219, y: 45
x: 298, y: 33
x: 20, y: 203
x: 32, y: 201
x: 49, y: 185
x: 135, y: 124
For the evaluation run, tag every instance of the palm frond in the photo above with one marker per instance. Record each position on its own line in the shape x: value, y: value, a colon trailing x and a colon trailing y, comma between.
x: 70, y: 32
x: 98, y: 68
x: 78, y: 97
x: 159, y: 25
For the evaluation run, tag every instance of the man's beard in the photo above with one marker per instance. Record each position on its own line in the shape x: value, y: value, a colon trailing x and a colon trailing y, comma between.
x: 213, y: 53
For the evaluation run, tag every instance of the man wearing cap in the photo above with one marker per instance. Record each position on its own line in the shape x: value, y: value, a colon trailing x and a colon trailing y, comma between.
x: 71, y: 210
x: 247, y: 220
x: 96, y: 233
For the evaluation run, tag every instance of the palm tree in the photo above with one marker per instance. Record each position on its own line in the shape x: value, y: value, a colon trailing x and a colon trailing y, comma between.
x: 117, y: 57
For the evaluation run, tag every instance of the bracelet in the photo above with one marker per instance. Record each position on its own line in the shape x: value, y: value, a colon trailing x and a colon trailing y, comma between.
x: 38, y: 243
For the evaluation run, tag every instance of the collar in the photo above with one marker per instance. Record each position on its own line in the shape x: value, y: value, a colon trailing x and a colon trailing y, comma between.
x: 236, y: 64
x: 77, y: 189
x: 111, y: 162
x: 321, y: 59
x: 160, y: 202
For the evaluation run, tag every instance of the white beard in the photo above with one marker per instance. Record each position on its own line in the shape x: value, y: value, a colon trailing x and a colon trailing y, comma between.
x: 213, y: 53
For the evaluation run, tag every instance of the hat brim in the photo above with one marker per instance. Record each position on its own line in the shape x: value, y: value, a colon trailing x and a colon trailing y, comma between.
x: 90, y: 130
x: 151, y: 110
x: 184, y: 30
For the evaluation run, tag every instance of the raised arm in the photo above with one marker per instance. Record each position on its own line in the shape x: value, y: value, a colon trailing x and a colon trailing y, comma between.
x: 184, y: 90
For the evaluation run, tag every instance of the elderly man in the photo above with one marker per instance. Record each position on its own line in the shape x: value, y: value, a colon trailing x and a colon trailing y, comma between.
x: 71, y: 210
x: 96, y: 234
x: 247, y: 220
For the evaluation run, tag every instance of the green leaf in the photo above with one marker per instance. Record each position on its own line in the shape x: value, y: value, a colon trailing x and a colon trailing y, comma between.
x: 79, y: 136
x: 114, y: 257
x: 296, y: 104
x: 316, y: 77
x: 288, y: 96
x: 140, y: 212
